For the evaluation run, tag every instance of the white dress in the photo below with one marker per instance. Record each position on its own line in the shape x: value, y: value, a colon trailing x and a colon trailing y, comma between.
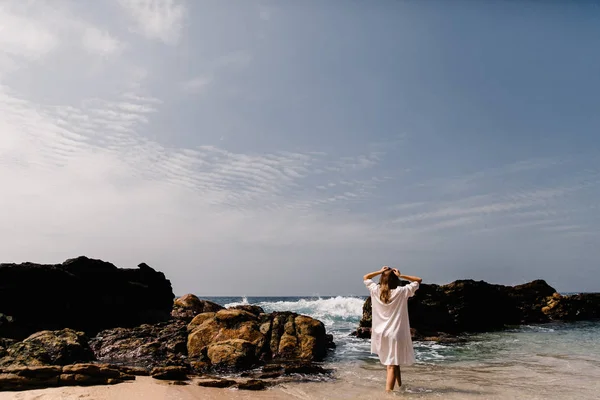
x: 390, y: 332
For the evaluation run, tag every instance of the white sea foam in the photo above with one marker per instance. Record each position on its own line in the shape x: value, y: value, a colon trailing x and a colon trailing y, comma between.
x: 244, y: 302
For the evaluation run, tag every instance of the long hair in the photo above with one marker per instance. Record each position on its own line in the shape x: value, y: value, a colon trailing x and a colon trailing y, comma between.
x: 388, y: 282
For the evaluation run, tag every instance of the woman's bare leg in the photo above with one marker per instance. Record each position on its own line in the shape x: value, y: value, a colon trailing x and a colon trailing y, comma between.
x: 391, y: 378
x: 398, y: 375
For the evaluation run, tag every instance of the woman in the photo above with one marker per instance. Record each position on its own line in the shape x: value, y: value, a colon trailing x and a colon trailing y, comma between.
x: 390, y: 332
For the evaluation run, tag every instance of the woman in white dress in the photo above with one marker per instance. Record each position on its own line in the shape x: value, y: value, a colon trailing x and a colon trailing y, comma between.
x: 390, y: 331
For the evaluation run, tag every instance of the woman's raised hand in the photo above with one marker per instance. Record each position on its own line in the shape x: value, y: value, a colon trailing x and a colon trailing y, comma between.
x: 396, y: 272
x: 384, y: 268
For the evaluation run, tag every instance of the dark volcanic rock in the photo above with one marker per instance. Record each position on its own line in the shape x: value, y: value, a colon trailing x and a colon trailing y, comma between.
x: 585, y: 306
x: 437, y: 312
x: 83, y: 294
x: 38, y: 377
x: 49, y: 348
x: 188, y: 306
x: 146, y: 346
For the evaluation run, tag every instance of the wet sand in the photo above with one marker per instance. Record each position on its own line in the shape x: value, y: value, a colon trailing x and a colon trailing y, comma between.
x: 534, y: 377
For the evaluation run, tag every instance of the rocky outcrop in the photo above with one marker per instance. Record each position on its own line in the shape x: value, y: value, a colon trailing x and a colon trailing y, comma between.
x: 37, y: 377
x: 188, y: 306
x: 237, y: 339
x: 87, y: 322
x: 252, y: 309
x: 476, y: 306
x: 82, y: 294
x: 48, y: 348
x: 146, y: 346
x: 585, y: 306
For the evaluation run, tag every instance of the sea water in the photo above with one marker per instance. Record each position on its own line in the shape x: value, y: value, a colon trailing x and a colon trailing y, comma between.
x: 549, y: 361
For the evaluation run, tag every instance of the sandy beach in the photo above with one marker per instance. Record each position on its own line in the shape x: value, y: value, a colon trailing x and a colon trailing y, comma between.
x: 534, y: 377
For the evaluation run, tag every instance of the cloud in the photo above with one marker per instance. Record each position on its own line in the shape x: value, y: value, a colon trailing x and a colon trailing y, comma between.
x: 157, y: 19
x: 196, y: 84
x: 100, y: 42
x: 20, y: 36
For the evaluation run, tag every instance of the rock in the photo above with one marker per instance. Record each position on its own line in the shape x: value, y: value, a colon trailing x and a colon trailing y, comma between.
x: 441, y: 312
x: 146, y: 346
x: 134, y: 371
x: 234, y: 354
x: 199, y: 320
x: 304, y: 368
x: 585, y: 306
x: 269, y: 375
x: 238, y: 330
x: 330, y: 343
x: 38, y: 377
x: 252, y: 309
x: 295, y: 367
x: 237, y: 339
x: 172, y: 373
x: 82, y: 294
x: 49, y: 348
x: 216, y: 383
x: 252, y: 384
x: 529, y: 300
x: 188, y: 306
x: 298, y: 337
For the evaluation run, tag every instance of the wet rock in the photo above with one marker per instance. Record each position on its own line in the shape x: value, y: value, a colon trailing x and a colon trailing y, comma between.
x: 438, y: 312
x: 252, y: 384
x: 172, y: 373
x: 298, y: 337
x: 216, y: 383
x: 252, y: 309
x: 188, y: 306
x: 145, y: 346
x: 585, y: 306
x: 49, y: 348
x: 82, y: 294
x: 38, y: 377
x: 293, y: 367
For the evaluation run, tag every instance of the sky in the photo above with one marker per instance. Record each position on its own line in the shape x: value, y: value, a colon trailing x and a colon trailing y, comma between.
x: 287, y: 147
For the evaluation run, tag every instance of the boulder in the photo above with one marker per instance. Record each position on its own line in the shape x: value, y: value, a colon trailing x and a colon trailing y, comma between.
x: 82, y: 294
x: 235, y: 354
x: 49, y: 348
x: 237, y: 339
x: 172, y: 373
x: 146, y: 346
x: 188, y: 306
x: 252, y: 309
x: 252, y: 384
x: 216, y: 383
x: 38, y: 377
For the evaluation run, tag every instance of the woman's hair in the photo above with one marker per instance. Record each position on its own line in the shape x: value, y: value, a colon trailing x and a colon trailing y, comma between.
x: 388, y: 282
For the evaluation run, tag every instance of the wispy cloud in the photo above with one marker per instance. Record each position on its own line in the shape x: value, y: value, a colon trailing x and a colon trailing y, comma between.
x: 100, y: 42
x: 196, y: 84
x: 20, y: 36
x: 157, y: 19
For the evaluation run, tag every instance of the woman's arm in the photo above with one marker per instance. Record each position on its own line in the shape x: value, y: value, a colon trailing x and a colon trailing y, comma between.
x: 372, y: 275
x: 407, y: 277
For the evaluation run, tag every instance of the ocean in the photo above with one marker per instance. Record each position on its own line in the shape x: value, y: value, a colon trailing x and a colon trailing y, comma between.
x: 550, y: 361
